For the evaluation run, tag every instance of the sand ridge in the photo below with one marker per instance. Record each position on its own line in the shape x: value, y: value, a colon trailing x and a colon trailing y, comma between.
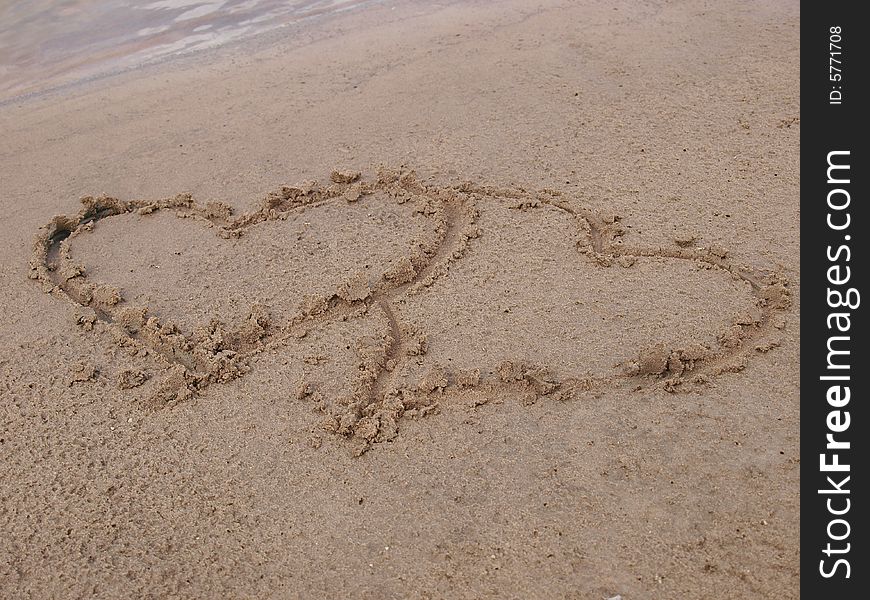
x: 381, y: 394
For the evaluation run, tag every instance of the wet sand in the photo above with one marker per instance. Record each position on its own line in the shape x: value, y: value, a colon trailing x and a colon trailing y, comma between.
x: 420, y: 302
x: 50, y: 44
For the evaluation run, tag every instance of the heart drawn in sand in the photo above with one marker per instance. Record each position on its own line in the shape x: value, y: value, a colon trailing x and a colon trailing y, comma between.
x: 389, y: 384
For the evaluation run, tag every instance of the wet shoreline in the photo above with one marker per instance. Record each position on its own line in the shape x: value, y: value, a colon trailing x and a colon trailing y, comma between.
x: 46, y: 45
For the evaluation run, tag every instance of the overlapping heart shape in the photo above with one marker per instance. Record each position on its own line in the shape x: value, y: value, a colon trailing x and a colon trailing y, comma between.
x: 382, y: 393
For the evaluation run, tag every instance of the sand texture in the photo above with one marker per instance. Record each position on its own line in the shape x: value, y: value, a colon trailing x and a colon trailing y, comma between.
x: 412, y: 301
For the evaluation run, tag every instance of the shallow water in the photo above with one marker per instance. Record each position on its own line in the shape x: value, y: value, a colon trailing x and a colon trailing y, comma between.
x: 47, y: 43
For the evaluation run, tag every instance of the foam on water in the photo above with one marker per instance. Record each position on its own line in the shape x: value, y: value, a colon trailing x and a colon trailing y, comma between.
x: 48, y: 43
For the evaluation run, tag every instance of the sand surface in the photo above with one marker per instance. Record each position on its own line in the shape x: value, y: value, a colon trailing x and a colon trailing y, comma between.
x: 465, y: 300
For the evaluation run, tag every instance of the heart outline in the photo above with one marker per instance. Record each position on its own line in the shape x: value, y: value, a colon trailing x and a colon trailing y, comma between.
x: 377, y: 402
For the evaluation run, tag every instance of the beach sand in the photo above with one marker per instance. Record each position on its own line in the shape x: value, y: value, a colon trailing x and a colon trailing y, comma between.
x: 467, y: 300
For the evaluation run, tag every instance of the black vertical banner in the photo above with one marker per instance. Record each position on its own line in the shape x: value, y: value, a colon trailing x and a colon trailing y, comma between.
x: 834, y: 265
